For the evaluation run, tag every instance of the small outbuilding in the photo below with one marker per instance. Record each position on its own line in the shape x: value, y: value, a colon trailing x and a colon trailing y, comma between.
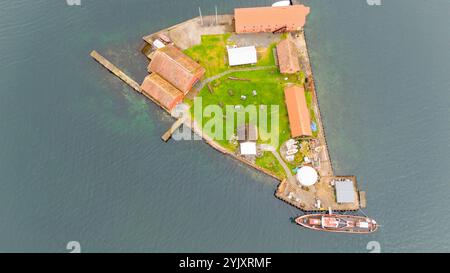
x: 345, y: 192
x: 248, y: 148
x: 288, y: 59
x: 242, y: 55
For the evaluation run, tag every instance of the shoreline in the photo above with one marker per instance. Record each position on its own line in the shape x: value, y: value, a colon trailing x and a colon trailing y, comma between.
x: 287, y: 187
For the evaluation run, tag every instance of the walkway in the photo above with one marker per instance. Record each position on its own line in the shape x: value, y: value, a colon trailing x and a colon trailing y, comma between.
x: 273, y: 150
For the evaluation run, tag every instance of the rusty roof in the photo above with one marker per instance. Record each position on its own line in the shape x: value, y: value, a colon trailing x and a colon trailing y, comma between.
x: 176, y: 67
x: 161, y: 91
x: 299, y: 118
x: 293, y: 17
x: 288, y: 57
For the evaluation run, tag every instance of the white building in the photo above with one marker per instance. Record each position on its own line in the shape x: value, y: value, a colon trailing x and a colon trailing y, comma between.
x: 248, y: 148
x: 242, y: 55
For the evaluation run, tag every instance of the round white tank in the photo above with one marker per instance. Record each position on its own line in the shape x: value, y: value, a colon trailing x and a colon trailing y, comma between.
x: 307, y: 176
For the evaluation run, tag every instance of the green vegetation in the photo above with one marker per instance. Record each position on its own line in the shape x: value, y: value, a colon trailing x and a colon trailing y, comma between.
x: 269, y: 86
x: 263, y: 78
x: 269, y: 162
x: 211, y: 53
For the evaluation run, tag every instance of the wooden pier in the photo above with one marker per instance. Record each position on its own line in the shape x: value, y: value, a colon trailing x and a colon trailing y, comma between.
x: 168, y: 134
x: 362, y: 199
x: 116, y: 71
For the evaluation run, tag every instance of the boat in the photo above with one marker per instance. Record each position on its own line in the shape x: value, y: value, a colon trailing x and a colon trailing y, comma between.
x: 338, y: 223
x: 282, y: 4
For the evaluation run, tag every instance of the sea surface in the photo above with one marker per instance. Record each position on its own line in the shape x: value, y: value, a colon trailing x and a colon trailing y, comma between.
x: 81, y: 157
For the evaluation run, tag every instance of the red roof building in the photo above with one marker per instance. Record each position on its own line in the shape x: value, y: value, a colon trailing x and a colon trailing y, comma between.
x: 161, y: 91
x: 299, y: 118
x: 176, y: 68
x: 270, y: 19
x: 288, y: 60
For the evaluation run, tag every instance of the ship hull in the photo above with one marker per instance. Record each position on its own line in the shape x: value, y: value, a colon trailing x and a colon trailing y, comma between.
x: 338, y: 223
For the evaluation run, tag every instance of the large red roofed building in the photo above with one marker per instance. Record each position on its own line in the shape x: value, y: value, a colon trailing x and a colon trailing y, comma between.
x: 158, y: 89
x: 288, y: 60
x: 270, y: 19
x: 299, y: 118
x: 176, y: 68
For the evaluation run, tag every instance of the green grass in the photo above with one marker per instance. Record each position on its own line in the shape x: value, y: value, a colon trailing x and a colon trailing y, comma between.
x: 269, y: 85
x: 269, y: 162
x: 211, y: 53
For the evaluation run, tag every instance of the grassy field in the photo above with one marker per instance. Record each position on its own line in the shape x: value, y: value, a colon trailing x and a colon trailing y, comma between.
x: 211, y: 53
x: 269, y: 86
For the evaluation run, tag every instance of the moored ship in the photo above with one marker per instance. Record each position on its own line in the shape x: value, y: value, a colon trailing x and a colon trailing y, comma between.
x: 338, y: 223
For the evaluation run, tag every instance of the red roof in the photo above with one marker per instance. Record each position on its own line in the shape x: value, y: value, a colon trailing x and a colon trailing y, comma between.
x: 269, y: 19
x: 288, y: 57
x: 176, y: 67
x: 299, y: 118
x: 161, y: 91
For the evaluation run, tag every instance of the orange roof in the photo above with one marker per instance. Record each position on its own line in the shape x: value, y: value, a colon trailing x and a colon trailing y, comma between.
x: 161, y: 91
x: 288, y: 57
x: 299, y: 118
x: 176, y: 67
x: 269, y: 19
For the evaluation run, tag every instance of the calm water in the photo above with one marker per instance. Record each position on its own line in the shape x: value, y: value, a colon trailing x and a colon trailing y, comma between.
x: 81, y: 157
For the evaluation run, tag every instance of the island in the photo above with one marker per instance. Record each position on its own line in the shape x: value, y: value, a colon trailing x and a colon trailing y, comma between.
x: 243, y: 83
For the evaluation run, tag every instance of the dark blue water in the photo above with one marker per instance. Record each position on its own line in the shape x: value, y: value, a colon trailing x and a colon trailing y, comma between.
x: 81, y: 157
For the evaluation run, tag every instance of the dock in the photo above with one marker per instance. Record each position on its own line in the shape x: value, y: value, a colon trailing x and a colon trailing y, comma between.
x: 362, y: 199
x: 116, y: 71
x: 168, y: 134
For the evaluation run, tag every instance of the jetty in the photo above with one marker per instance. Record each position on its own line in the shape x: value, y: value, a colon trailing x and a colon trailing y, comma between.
x: 168, y: 134
x: 116, y: 71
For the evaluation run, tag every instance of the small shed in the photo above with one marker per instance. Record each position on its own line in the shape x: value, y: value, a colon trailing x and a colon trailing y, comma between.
x: 345, y: 192
x: 241, y: 135
x: 248, y: 148
x: 242, y: 55
x: 288, y: 59
x: 252, y: 132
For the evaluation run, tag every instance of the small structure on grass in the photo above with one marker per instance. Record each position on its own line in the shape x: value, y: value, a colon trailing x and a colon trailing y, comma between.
x: 288, y: 60
x: 248, y: 148
x: 242, y: 55
x: 247, y: 134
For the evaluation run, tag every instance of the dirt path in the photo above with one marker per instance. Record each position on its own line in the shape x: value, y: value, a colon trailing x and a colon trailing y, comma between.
x: 273, y: 150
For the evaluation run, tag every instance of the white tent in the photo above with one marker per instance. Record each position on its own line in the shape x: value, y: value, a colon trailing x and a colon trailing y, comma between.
x: 242, y: 55
x: 307, y: 176
x: 248, y: 148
